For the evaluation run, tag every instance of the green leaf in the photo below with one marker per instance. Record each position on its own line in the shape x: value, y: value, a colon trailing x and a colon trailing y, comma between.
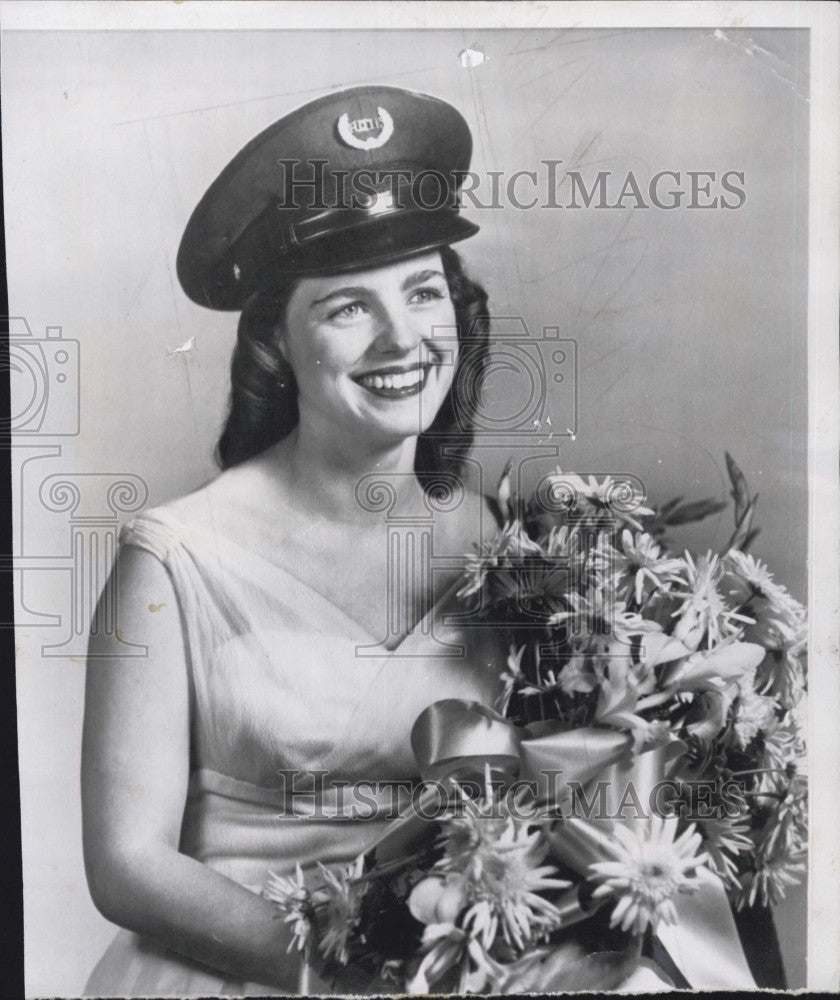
x: 504, y: 493
x: 669, y: 506
x: 742, y: 529
x: 740, y: 493
x: 695, y: 511
x: 495, y: 510
x: 750, y: 538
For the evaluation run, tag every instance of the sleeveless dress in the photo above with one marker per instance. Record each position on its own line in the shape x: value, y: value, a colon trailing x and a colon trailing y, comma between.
x: 281, y: 679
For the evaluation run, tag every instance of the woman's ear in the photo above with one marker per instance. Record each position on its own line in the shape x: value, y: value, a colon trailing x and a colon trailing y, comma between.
x: 280, y: 341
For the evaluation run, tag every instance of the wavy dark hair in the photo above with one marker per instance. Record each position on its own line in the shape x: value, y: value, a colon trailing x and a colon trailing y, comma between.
x: 263, y: 399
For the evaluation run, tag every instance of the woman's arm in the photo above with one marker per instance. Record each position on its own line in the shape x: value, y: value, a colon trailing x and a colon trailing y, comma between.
x: 135, y: 769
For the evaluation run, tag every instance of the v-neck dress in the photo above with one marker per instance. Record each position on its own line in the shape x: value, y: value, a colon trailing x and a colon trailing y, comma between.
x: 282, y: 680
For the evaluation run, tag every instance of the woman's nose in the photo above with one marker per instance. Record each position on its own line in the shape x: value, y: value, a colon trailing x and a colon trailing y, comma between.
x: 396, y: 333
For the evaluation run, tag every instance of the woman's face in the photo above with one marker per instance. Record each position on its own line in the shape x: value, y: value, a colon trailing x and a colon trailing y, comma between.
x: 367, y: 347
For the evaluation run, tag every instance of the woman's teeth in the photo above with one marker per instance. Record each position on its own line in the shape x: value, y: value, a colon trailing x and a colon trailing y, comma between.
x: 399, y: 380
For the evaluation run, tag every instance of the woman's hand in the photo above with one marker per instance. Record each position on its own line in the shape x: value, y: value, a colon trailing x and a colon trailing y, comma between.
x: 135, y: 772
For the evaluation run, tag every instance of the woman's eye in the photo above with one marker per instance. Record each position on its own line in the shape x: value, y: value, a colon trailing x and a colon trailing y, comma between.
x: 423, y: 295
x: 351, y: 311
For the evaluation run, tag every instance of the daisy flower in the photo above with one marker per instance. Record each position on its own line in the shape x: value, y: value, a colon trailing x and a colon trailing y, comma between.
x: 787, y: 829
x: 500, y: 860
x: 342, y: 913
x: 783, y: 668
x: 651, y: 866
x: 781, y: 848
x: 598, y: 618
x: 783, y: 754
x: 784, y: 607
x: 724, y: 837
x: 512, y: 540
x: 747, y: 577
x: 615, y: 500
x: 645, y: 565
x: 533, y: 586
x: 294, y: 903
x: 779, y: 628
x: 704, y: 611
x: 749, y: 580
x: 770, y: 876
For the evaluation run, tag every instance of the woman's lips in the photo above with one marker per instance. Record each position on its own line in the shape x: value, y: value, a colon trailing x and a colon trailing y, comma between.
x: 394, y: 383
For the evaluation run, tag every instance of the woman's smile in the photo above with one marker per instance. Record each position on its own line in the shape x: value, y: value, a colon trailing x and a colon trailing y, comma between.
x: 395, y: 382
x: 361, y: 344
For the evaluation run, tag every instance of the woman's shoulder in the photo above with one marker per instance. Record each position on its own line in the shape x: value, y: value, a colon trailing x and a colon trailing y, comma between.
x: 163, y: 527
x: 226, y: 506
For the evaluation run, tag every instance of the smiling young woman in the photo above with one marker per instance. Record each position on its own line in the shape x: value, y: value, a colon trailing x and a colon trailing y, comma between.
x: 358, y: 355
x: 264, y: 395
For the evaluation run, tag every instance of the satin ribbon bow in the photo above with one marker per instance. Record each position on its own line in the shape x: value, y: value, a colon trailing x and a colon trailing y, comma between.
x: 456, y: 741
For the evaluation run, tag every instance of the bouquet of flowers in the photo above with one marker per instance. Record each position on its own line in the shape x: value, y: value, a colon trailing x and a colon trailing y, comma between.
x: 646, y: 756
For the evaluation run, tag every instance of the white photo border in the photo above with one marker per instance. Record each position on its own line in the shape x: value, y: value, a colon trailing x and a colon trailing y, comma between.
x: 823, y: 20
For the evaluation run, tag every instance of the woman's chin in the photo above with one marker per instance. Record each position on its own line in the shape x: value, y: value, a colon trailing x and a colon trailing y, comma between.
x: 386, y: 429
x: 400, y: 417
x: 393, y: 432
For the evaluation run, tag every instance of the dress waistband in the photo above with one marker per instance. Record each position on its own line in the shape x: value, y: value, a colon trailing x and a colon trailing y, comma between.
x: 309, y: 795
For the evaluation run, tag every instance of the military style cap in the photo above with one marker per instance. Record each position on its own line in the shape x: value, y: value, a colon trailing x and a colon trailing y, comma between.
x: 354, y: 179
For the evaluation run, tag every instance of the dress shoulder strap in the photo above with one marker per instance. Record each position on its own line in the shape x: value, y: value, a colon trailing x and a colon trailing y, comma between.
x: 150, y: 531
x: 208, y: 596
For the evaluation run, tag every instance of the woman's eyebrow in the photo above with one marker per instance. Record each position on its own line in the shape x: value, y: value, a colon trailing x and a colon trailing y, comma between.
x: 348, y: 291
x: 419, y: 277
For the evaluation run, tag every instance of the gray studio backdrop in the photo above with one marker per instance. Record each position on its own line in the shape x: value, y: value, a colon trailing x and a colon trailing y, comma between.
x: 689, y: 324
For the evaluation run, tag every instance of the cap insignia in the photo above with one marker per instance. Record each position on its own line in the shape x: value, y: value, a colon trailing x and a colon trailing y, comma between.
x: 356, y: 133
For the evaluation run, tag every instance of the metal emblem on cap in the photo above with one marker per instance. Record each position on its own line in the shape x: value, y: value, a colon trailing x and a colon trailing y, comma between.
x: 353, y: 133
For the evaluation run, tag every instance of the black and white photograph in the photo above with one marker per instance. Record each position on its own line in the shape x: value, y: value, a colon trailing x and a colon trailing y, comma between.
x: 423, y: 452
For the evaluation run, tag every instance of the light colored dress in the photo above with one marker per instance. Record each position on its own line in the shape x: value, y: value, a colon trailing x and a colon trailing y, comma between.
x: 282, y: 679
